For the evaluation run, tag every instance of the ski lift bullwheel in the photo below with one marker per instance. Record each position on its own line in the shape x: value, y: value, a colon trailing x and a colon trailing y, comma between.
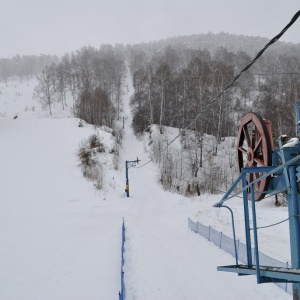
x: 254, y: 150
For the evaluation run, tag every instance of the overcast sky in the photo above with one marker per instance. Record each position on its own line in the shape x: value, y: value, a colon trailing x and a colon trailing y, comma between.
x: 59, y: 26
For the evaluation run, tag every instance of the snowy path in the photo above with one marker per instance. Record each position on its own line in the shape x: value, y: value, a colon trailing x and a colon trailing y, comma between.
x: 163, y: 258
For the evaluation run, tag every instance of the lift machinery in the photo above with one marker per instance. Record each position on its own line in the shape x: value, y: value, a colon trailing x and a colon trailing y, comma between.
x: 265, y: 170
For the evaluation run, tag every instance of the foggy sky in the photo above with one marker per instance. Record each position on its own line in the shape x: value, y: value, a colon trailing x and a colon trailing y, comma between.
x: 59, y: 26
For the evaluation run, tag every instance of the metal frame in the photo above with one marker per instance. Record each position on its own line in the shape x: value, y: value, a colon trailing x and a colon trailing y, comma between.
x: 128, y: 164
x: 286, y: 177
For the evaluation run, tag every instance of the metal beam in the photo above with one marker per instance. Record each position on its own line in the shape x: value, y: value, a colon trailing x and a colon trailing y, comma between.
x: 279, y: 274
x: 269, y: 169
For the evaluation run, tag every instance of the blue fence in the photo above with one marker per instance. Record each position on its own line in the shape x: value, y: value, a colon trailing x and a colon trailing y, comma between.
x: 227, y: 244
x: 122, y: 292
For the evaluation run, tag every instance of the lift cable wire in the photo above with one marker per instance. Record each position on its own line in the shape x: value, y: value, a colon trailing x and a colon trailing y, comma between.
x: 263, y: 227
x: 273, y: 74
x: 215, y: 99
x: 189, y: 181
x: 218, y: 190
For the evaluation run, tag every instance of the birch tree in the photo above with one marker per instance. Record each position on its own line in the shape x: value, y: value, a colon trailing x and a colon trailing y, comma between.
x: 44, y: 92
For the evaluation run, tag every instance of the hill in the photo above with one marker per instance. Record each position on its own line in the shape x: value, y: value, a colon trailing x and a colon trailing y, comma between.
x: 232, y: 42
x: 62, y: 237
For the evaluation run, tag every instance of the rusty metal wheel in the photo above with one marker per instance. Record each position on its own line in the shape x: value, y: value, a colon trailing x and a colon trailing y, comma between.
x: 254, y: 150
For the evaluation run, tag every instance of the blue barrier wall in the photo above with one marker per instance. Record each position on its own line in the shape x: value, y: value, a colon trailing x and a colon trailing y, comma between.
x: 227, y: 244
x: 122, y: 292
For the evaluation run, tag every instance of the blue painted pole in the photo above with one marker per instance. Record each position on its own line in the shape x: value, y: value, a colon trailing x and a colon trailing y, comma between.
x: 127, y: 179
x: 128, y: 164
x: 234, y: 237
x: 293, y: 207
x: 297, y: 116
x: 258, y: 278
x: 247, y: 222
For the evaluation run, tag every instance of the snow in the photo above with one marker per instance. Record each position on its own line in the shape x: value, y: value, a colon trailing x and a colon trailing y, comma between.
x: 291, y: 143
x: 61, y: 238
x: 273, y: 241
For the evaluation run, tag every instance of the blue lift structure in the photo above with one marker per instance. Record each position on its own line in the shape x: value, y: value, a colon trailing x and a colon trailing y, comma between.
x: 259, y: 179
x: 128, y: 164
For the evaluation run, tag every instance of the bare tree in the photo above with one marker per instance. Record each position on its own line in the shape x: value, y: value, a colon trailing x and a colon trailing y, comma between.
x: 44, y: 92
x: 163, y: 75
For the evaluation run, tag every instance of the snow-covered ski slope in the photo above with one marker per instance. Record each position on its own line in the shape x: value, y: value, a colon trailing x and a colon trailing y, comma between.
x: 60, y: 238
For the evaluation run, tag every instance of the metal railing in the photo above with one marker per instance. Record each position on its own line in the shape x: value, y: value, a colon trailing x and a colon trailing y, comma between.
x: 227, y: 244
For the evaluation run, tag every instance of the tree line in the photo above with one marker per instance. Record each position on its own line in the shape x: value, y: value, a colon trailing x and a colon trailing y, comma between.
x: 172, y: 92
x: 173, y: 85
x: 92, y: 77
x: 24, y: 66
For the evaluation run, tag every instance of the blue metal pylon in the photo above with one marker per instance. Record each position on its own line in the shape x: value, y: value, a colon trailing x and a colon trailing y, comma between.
x: 294, y: 222
x: 128, y: 164
x: 283, y: 176
x: 266, y: 274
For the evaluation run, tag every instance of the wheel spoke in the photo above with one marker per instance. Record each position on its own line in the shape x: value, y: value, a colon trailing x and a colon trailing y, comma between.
x: 252, y: 134
x: 256, y: 176
x: 250, y: 177
x: 260, y: 162
x: 258, y: 143
x: 242, y: 150
x: 246, y: 134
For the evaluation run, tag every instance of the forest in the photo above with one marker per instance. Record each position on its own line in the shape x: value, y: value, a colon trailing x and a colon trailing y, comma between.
x: 174, y: 80
x: 92, y: 77
x: 25, y: 66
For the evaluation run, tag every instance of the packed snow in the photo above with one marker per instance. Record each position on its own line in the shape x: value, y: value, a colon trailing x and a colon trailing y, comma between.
x: 61, y: 237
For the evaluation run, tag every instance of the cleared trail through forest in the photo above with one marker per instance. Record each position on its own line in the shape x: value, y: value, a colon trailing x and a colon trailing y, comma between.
x: 163, y: 258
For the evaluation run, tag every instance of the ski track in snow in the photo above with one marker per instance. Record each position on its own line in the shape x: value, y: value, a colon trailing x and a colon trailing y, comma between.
x: 61, y: 239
